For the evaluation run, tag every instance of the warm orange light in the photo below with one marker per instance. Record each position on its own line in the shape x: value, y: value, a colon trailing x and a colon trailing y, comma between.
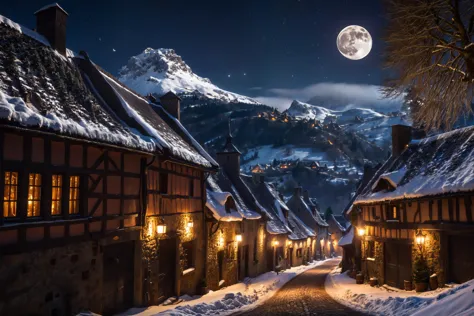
x: 190, y: 224
x: 161, y: 229
x: 238, y: 238
x: 275, y: 243
x: 361, y: 231
x: 330, y: 142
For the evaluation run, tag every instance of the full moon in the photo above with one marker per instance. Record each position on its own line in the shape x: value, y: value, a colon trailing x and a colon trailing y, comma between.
x: 354, y: 42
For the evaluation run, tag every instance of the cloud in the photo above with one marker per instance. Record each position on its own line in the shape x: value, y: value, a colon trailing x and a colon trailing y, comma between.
x: 256, y: 88
x: 338, y: 96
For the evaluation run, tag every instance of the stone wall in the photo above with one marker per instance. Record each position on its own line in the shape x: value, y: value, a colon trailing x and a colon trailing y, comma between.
x: 176, y: 226
x: 222, y: 239
x: 431, y: 252
x: 56, y: 281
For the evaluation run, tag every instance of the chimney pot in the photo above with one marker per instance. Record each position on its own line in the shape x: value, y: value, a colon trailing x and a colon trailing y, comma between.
x: 401, y: 137
x: 51, y: 23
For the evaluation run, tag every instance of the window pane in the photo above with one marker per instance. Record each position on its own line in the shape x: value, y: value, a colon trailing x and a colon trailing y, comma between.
x: 74, y: 195
x: 10, y: 194
x: 34, y: 195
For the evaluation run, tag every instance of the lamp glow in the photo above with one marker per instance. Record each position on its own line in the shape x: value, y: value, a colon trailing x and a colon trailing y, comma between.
x: 361, y: 232
x: 161, y: 229
x: 275, y: 243
x: 238, y: 238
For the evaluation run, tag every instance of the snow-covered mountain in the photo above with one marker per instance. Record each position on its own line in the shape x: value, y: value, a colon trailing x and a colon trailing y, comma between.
x: 301, y: 110
x: 374, y: 126
x: 158, y: 71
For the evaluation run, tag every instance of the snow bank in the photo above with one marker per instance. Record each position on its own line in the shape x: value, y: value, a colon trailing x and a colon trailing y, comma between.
x: 243, y: 296
x: 390, y: 301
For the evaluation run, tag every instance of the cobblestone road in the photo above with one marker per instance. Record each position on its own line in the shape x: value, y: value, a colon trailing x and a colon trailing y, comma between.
x: 304, y: 295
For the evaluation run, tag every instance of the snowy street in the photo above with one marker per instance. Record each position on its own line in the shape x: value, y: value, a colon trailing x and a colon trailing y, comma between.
x: 263, y: 294
x: 305, y: 295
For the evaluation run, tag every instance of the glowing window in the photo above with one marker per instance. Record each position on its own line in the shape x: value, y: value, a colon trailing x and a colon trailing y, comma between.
x: 74, y: 195
x: 34, y: 195
x: 56, y: 191
x: 10, y: 194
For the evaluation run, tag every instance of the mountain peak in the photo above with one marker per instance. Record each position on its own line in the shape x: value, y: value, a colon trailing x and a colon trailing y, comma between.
x: 158, y: 71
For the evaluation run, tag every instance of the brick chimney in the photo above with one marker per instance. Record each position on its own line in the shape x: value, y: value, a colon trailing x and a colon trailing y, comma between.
x: 172, y: 104
x: 401, y: 137
x: 51, y: 23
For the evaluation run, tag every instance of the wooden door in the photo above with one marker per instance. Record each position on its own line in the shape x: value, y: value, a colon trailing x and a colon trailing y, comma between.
x: 246, y: 260
x: 461, y: 259
x: 290, y: 256
x: 118, y: 277
x: 397, y: 264
x: 270, y: 258
x: 167, y: 268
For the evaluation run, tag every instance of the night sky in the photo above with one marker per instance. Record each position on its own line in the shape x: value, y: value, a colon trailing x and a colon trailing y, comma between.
x: 243, y: 46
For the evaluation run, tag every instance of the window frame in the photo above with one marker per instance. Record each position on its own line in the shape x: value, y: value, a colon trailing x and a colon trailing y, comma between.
x: 60, y: 199
x: 189, y: 254
x: 15, y: 201
x: 77, y: 199
x: 36, y: 195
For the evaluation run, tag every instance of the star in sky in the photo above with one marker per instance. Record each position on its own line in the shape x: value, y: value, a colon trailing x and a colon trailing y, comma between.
x: 228, y: 76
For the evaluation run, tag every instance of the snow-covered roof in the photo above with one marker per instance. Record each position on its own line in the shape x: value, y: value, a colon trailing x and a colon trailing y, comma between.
x: 270, y: 203
x: 432, y: 166
x: 313, y: 212
x: 216, y: 203
x: 219, y: 182
x: 169, y: 133
x: 393, y: 178
x: 332, y: 219
x: 58, y: 98
x: 347, y: 238
x: 299, y: 230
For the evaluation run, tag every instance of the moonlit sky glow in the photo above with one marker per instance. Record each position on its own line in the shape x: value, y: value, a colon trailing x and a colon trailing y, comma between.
x: 247, y: 46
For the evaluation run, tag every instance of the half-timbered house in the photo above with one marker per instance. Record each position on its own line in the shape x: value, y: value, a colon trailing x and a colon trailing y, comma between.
x: 235, y: 235
x: 304, y: 208
x: 103, y: 188
x: 419, y: 205
x: 335, y: 233
x: 72, y: 173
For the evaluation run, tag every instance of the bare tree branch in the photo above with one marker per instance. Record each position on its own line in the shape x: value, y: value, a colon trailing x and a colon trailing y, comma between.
x: 430, y: 49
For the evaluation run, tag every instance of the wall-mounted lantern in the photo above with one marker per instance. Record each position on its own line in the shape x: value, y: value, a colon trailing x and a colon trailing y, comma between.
x: 275, y: 243
x: 189, y: 226
x: 221, y: 241
x: 420, y: 239
x: 161, y: 229
x: 238, y: 238
x: 289, y: 243
x: 361, y: 231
